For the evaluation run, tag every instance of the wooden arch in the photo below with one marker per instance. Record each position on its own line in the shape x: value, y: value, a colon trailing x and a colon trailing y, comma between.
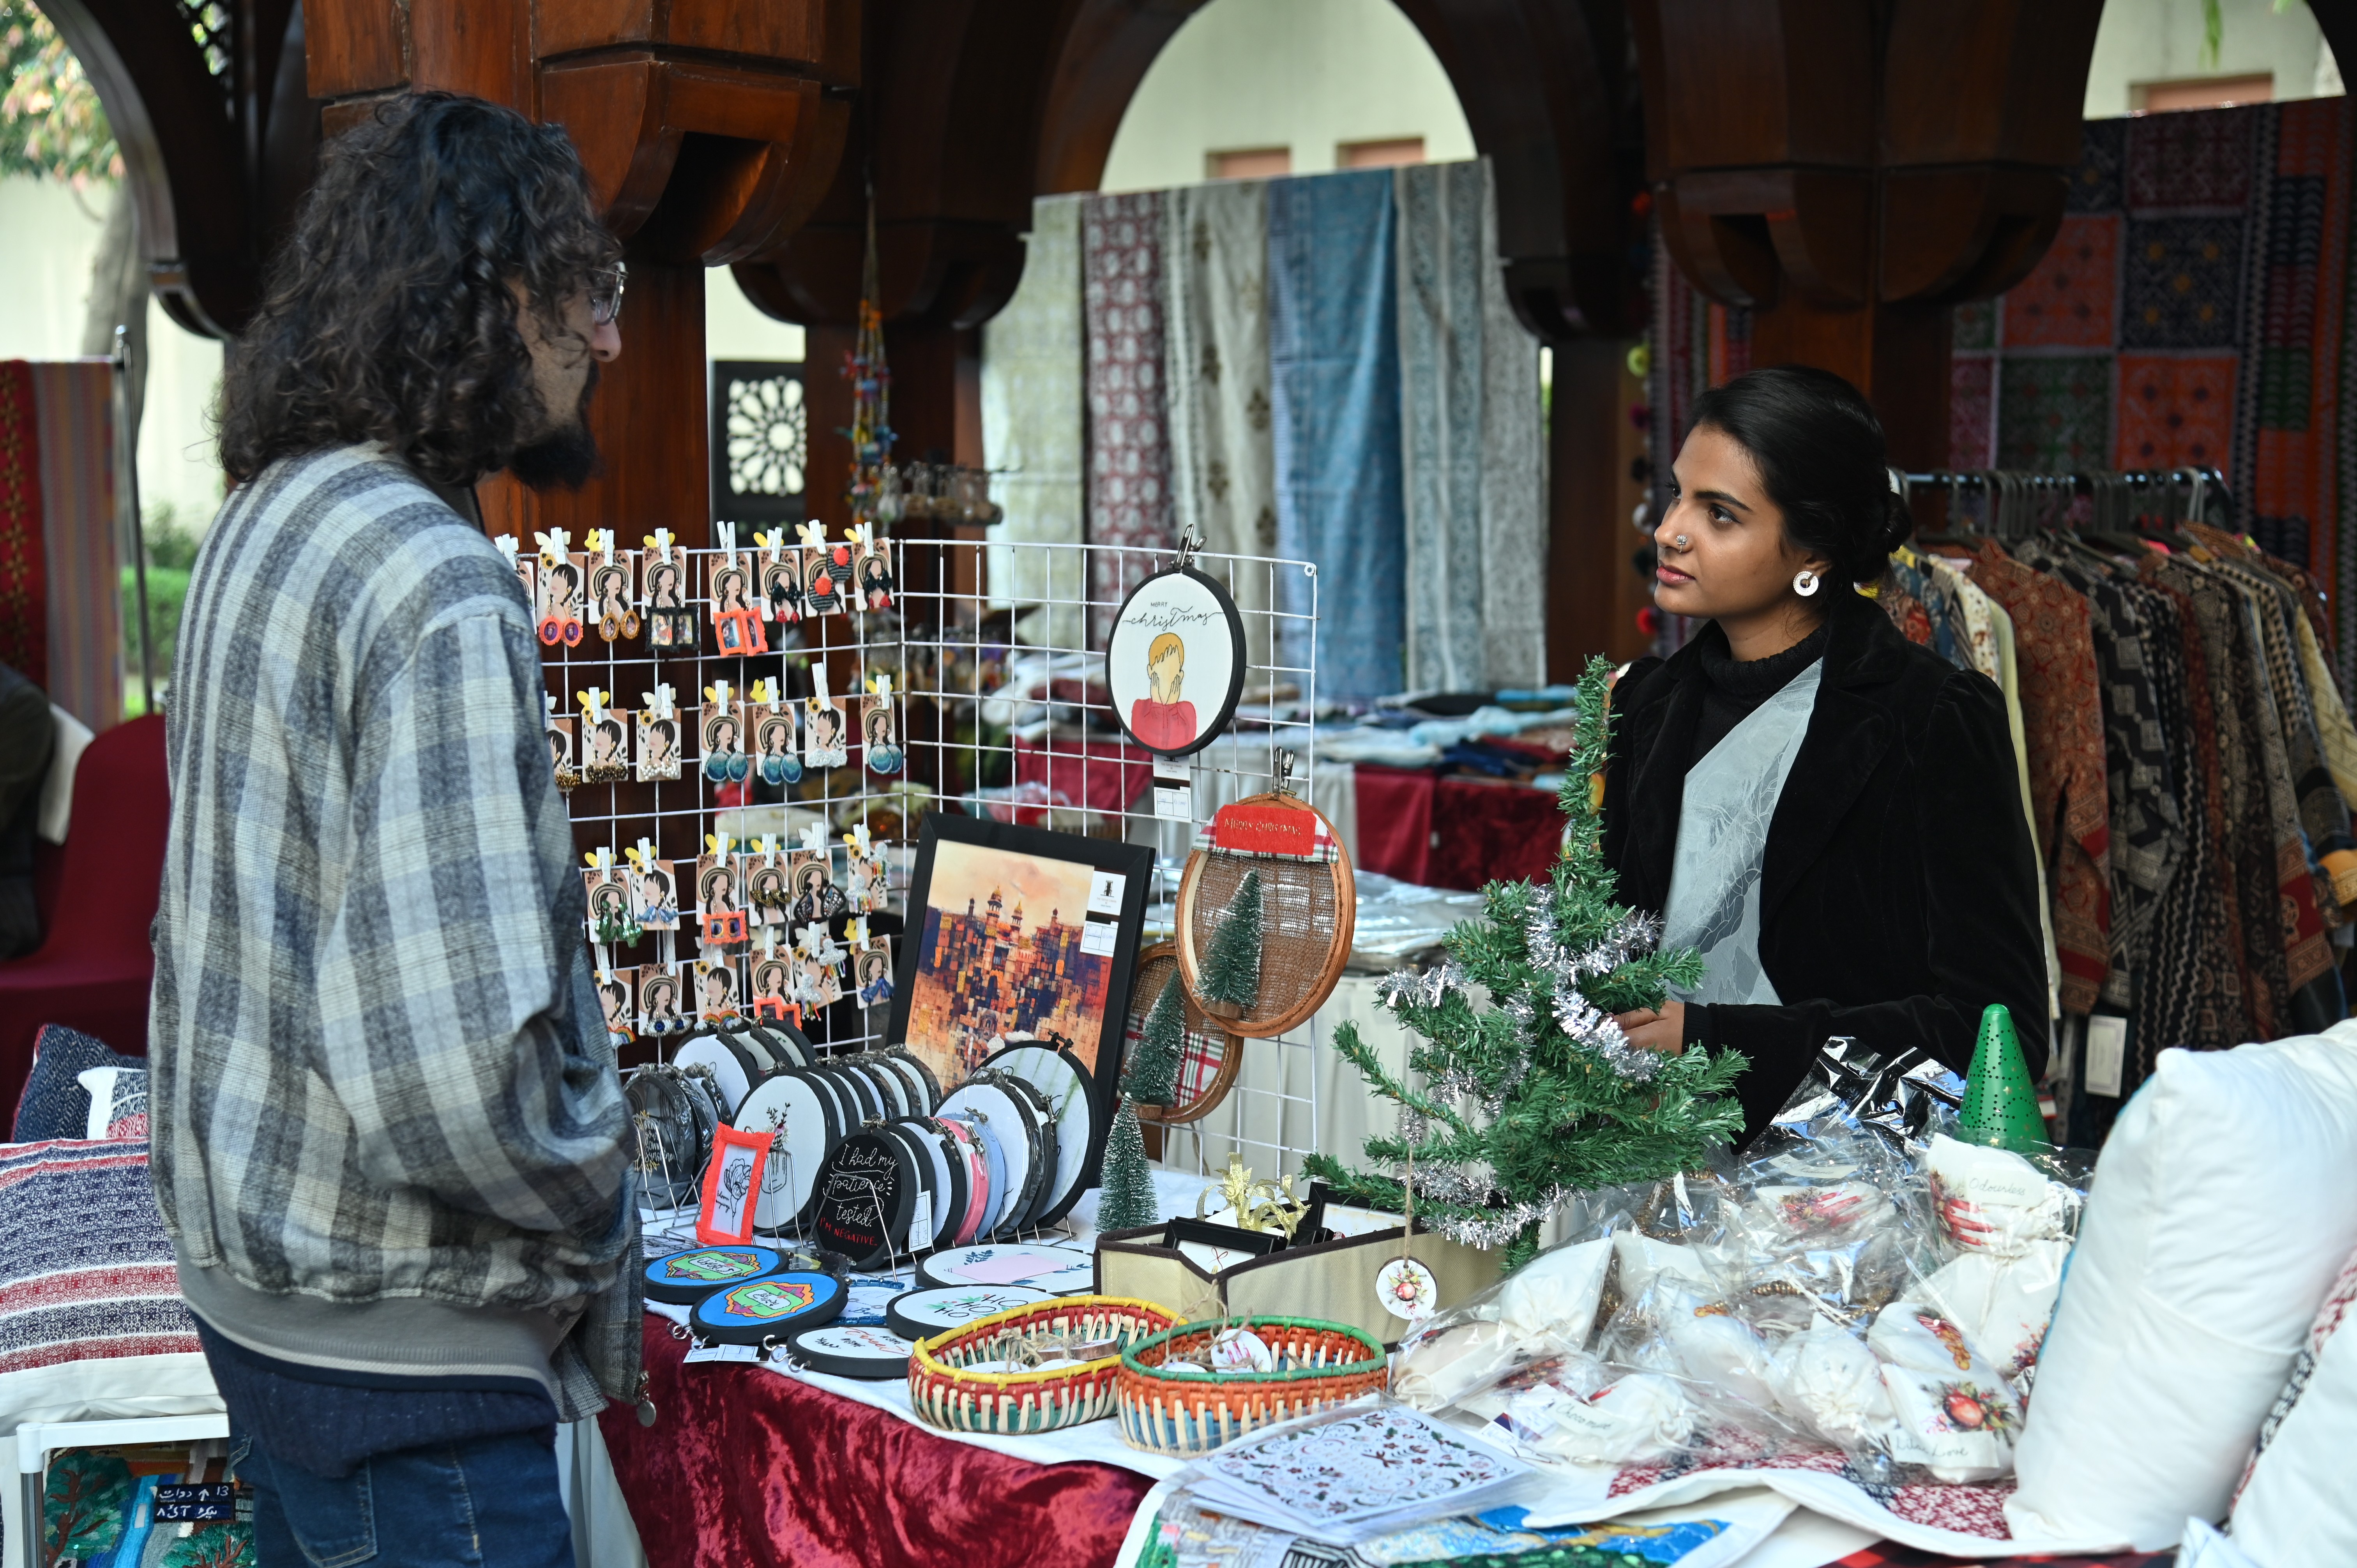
x: 968, y: 110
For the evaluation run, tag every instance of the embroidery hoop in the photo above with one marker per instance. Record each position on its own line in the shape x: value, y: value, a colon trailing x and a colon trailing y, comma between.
x: 1123, y: 637
x: 1158, y: 966
x: 1309, y: 913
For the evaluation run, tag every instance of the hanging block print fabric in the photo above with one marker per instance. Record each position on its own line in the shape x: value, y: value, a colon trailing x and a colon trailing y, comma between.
x: 81, y: 534
x: 1223, y: 462
x: 2194, y: 312
x: 1513, y: 476
x: 1032, y: 422
x: 1130, y: 455
x: 1440, y: 262
x: 1334, y: 370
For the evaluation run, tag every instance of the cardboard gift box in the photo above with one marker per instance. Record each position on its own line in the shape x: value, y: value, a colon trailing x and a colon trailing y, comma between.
x: 1333, y: 1280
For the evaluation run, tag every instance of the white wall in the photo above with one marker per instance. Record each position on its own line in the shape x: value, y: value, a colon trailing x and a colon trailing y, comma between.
x: 52, y: 232
x: 1304, y: 74
x: 2161, y: 40
x: 734, y: 326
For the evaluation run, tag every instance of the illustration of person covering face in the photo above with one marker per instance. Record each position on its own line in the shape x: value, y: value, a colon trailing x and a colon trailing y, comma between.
x: 1161, y: 719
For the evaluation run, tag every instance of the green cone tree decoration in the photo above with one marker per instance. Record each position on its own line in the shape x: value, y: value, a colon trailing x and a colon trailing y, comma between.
x: 1125, y: 1200
x: 1539, y: 1095
x: 1149, y: 1078
x: 1231, y: 977
x: 1153, y: 1070
x: 2000, y: 1102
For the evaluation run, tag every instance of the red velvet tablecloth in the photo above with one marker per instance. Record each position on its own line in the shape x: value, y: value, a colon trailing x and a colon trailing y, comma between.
x: 1454, y: 833
x: 1102, y: 775
x: 746, y: 1467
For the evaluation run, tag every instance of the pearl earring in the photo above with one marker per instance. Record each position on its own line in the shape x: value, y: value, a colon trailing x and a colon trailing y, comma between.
x: 1805, y: 584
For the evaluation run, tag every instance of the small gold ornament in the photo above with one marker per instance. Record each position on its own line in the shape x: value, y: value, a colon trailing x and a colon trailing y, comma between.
x: 1267, y: 1206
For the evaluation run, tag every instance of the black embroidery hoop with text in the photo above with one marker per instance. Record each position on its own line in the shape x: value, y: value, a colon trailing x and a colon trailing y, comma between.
x: 1207, y: 732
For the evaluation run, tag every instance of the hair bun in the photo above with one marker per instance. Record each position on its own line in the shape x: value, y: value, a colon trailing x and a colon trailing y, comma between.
x: 1901, y: 523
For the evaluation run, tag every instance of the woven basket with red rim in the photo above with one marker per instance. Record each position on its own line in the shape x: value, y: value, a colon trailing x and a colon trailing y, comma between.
x: 949, y: 1396
x: 1319, y: 1364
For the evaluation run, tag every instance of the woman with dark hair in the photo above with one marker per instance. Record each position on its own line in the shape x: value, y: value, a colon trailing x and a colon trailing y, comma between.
x: 1830, y: 815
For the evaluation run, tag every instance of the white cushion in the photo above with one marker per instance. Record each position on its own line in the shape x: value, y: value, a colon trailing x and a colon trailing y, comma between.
x: 2222, y: 1208
x: 2295, y: 1509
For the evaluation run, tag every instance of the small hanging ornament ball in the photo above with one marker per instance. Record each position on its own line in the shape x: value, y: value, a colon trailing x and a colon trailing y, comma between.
x: 2001, y: 1108
x: 1407, y: 1289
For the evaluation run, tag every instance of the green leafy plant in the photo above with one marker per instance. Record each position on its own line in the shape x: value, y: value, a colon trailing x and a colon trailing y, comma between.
x: 1537, y: 1095
x: 51, y: 123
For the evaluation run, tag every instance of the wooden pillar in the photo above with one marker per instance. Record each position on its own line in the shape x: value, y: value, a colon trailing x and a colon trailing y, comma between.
x: 1594, y: 591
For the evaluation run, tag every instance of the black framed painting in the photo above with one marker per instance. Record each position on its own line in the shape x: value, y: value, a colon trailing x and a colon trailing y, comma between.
x: 1017, y: 934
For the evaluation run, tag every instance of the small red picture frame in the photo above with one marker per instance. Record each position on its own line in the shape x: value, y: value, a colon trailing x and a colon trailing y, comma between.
x: 732, y: 1187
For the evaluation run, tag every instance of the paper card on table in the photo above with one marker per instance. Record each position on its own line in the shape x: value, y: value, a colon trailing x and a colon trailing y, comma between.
x: 1355, y: 1474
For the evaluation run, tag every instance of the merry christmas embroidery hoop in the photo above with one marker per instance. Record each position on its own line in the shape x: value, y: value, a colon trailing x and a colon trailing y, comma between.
x: 1279, y: 852
x: 1175, y: 660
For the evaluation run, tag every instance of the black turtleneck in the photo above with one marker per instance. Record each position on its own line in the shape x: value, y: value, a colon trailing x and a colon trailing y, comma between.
x: 1736, y: 687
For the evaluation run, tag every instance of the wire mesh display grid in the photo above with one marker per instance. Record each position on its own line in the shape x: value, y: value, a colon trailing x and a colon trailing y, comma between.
x: 994, y: 653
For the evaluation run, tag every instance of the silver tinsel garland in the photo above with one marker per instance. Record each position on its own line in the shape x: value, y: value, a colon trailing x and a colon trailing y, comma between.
x: 1488, y: 1227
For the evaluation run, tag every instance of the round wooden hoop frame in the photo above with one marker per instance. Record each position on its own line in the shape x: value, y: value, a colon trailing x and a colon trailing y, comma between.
x: 1232, y: 1049
x: 1338, y: 952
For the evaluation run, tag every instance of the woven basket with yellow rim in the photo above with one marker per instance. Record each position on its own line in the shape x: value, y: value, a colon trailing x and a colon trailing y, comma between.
x: 1319, y: 1364
x: 1012, y: 1403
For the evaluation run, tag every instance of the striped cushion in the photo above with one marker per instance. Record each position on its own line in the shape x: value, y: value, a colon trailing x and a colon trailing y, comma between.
x: 86, y: 1269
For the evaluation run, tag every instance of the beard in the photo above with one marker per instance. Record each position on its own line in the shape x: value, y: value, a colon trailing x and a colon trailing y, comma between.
x: 564, y: 458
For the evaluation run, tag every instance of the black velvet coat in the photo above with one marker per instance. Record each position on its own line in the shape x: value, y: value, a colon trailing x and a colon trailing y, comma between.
x: 1899, y: 889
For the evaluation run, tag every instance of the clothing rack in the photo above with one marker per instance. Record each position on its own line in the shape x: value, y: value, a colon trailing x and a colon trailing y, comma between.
x: 2189, y: 759
x: 2015, y: 502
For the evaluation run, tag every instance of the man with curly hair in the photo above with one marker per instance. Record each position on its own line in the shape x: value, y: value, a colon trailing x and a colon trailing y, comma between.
x: 389, y: 1142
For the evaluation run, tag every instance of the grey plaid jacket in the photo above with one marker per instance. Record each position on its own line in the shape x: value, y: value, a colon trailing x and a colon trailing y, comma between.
x: 379, y: 1072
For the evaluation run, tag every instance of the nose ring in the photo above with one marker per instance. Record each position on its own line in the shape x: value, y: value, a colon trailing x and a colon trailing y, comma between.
x: 1680, y: 542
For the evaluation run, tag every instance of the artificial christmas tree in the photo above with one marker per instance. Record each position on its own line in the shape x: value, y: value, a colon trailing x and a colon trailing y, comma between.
x: 1151, y: 1078
x: 1231, y: 979
x: 1539, y: 1095
x: 2001, y: 1108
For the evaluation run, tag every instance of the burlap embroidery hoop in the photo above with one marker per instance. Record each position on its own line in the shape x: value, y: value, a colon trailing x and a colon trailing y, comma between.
x: 1310, y: 910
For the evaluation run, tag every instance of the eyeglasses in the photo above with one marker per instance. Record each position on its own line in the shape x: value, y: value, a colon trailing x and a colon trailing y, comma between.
x: 606, y: 295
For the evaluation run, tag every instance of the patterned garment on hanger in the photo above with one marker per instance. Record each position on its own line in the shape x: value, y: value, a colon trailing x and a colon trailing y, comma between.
x: 2270, y: 927
x: 2147, y: 836
x: 2063, y: 722
x: 2196, y: 991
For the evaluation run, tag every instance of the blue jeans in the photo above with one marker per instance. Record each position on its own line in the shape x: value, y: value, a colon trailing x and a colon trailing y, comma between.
x: 492, y: 1500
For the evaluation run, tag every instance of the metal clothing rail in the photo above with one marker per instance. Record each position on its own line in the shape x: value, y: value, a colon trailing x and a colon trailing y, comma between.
x: 2011, y: 502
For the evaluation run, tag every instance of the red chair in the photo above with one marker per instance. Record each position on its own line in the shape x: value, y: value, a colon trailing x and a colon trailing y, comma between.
x: 97, y: 897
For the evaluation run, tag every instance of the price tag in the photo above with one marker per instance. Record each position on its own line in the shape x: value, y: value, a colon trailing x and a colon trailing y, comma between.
x: 1106, y: 888
x: 190, y: 1504
x: 1100, y: 936
x: 1174, y: 794
x: 724, y: 1353
x: 921, y: 1225
x: 2107, y: 1051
